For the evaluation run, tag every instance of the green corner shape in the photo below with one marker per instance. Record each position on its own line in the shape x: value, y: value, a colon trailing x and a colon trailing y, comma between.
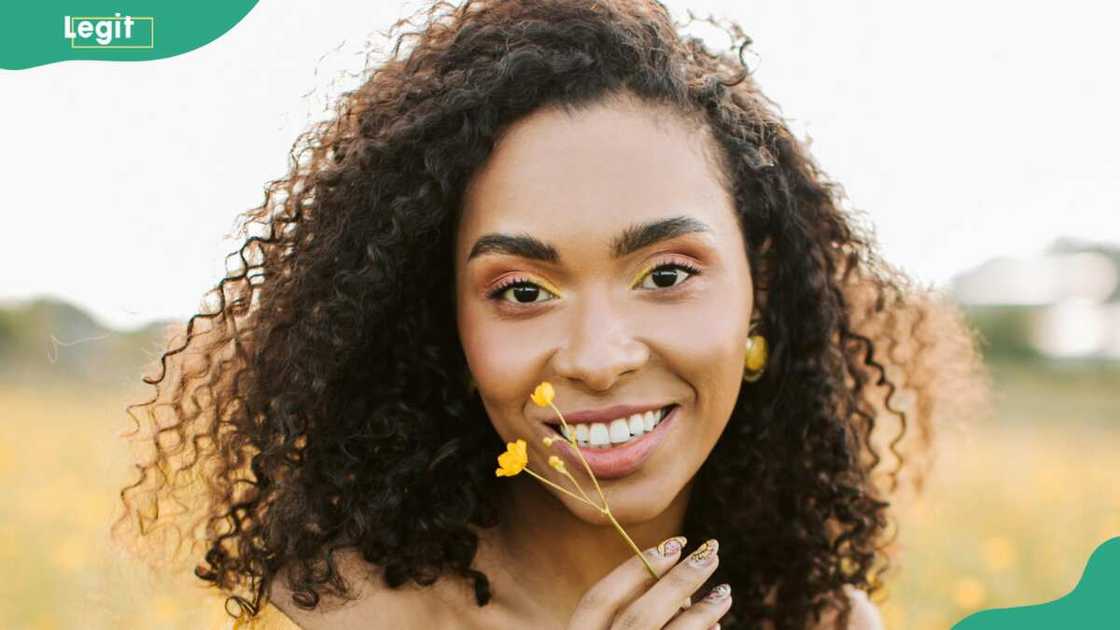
x: 43, y: 32
x: 1093, y: 604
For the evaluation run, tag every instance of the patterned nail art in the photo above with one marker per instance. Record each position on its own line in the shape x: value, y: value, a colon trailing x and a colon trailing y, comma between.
x: 704, y: 553
x: 672, y: 546
x: 718, y: 593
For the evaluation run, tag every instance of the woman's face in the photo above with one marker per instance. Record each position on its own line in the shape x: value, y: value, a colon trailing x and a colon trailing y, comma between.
x: 572, y: 261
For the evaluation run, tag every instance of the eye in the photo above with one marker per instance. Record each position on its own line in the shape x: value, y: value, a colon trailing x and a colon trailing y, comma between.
x: 665, y: 275
x: 523, y: 292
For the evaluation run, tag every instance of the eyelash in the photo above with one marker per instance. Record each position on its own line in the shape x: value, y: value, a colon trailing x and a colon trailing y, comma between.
x: 496, y: 293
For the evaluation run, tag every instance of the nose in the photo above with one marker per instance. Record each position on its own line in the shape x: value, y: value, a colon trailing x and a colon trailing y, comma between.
x: 600, y: 346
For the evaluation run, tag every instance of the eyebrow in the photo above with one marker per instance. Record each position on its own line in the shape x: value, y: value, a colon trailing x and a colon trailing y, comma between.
x: 630, y: 240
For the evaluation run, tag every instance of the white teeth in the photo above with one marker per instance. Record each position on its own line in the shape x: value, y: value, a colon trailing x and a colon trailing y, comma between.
x: 598, y: 434
x: 620, y: 431
x: 582, y: 431
x: 566, y: 431
x: 637, y: 426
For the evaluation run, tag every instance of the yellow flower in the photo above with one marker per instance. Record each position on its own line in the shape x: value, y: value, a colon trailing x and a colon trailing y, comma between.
x: 556, y: 463
x: 970, y: 592
x: 548, y: 440
x: 543, y: 394
x: 513, y: 460
x: 999, y: 553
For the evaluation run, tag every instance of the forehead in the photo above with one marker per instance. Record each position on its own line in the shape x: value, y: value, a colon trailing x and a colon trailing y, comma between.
x: 581, y: 177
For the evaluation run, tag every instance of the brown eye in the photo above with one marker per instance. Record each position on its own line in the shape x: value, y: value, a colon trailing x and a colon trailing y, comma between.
x: 522, y: 291
x: 666, y: 276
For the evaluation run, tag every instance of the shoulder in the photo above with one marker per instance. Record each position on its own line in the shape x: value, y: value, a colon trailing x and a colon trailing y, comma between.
x: 864, y: 616
x: 373, y: 601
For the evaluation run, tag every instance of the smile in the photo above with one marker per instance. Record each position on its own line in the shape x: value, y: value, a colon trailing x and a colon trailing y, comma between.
x: 623, y: 457
x: 604, y: 435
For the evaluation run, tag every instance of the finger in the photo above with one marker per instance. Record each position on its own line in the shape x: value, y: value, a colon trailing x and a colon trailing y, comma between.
x: 656, y: 607
x: 625, y: 584
x: 706, y: 613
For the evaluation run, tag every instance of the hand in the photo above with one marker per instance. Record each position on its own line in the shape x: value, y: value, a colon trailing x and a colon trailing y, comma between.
x: 629, y: 597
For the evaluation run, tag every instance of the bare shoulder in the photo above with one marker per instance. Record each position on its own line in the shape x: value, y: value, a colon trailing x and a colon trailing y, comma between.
x: 375, y: 606
x: 865, y: 614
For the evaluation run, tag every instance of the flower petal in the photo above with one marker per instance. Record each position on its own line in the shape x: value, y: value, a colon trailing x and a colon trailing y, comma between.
x: 513, y: 460
x: 544, y: 393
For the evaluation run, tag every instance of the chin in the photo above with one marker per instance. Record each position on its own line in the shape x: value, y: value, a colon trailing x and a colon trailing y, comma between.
x: 632, y: 499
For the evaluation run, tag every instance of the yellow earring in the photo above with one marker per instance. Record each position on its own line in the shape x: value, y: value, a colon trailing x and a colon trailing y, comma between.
x: 755, y: 362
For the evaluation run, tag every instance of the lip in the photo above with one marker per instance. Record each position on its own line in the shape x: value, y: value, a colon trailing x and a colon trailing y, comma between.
x: 608, y: 413
x: 619, y: 461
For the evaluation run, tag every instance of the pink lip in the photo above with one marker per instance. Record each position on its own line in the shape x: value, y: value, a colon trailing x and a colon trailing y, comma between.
x: 619, y: 461
x: 606, y: 415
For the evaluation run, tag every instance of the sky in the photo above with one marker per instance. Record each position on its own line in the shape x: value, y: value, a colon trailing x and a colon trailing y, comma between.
x: 959, y: 131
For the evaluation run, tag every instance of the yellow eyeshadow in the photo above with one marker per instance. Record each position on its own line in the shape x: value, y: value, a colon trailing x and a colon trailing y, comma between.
x: 641, y: 275
x: 551, y: 289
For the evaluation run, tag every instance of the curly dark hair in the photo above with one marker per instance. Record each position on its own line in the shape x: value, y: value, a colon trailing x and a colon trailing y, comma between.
x: 317, y: 402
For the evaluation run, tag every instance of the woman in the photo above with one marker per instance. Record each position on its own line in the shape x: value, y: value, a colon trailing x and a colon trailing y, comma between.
x: 566, y: 191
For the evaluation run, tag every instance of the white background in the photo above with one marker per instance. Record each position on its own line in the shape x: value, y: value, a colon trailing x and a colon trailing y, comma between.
x: 964, y: 130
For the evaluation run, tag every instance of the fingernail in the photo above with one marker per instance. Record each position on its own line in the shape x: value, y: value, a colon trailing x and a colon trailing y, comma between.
x: 718, y: 593
x: 704, y: 553
x: 671, y: 546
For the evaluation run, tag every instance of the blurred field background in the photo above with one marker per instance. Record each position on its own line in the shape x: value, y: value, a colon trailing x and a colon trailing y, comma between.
x: 1014, y: 509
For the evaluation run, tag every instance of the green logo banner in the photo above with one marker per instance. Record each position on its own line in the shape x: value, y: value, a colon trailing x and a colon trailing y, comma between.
x: 40, y: 33
x: 1093, y: 603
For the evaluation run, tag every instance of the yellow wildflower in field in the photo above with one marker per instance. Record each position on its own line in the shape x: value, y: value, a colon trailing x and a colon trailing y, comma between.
x: 999, y: 553
x: 970, y: 593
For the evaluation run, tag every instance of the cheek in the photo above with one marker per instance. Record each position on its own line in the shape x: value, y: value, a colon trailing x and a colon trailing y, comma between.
x: 705, y: 352
x: 504, y: 357
x: 703, y: 344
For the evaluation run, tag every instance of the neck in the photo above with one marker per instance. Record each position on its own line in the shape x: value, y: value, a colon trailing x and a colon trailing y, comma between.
x: 542, y: 558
